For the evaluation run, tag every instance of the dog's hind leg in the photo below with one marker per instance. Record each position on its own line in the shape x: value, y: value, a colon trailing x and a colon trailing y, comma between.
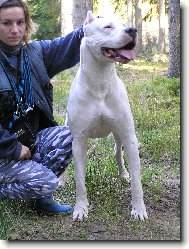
x: 119, y: 158
x: 62, y: 178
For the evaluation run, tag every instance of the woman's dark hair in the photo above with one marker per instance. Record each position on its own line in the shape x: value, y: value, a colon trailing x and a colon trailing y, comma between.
x: 30, y: 26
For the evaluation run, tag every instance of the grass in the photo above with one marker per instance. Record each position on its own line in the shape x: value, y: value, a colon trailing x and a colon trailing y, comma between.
x: 155, y: 102
x: 12, y: 213
x: 155, y: 107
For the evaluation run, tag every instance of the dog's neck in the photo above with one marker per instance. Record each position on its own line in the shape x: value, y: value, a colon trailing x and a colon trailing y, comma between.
x: 99, y: 68
x: 100, y: 75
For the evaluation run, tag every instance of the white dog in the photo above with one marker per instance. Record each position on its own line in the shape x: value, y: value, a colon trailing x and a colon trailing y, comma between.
x: 98, y: 105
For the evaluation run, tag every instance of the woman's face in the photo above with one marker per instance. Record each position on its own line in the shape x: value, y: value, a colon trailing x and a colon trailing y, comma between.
x: 12, y: 25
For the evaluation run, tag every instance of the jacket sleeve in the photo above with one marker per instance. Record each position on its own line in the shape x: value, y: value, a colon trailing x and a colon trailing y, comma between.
x: 9, y: 146
x: 63, y: 52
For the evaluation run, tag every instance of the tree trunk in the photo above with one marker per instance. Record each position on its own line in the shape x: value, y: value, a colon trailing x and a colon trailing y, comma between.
x: 66, y: 16
x: 138, y: 24
x: 129, y: 12
x: 174, y: 38
x: 161, y: 26
x: 80, y: 8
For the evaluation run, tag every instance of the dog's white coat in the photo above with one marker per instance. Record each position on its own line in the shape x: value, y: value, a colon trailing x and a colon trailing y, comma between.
x: 98, y: 105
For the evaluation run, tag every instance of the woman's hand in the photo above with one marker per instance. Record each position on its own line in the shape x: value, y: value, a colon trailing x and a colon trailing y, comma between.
x: 25, y: 153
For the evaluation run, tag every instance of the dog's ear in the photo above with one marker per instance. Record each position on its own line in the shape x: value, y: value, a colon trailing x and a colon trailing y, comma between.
x: 90, y: 18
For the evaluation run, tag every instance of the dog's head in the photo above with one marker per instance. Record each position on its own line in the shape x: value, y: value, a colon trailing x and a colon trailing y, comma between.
x: 110, y: 39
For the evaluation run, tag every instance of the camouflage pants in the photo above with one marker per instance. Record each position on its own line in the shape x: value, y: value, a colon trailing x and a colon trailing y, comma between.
x: 38, y: 177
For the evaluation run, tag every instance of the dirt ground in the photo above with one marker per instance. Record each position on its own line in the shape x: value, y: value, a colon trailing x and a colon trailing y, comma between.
x: 163, y: 223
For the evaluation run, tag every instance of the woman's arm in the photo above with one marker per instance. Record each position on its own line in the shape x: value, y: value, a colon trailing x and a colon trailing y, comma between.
x: 63, y: 52
x: 9, y: 146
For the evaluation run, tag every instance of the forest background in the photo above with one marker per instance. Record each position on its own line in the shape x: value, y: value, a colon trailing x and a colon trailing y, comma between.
x: 157, y: 22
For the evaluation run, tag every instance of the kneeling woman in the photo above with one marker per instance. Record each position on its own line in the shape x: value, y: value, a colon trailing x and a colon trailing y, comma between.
x: 34, y: 150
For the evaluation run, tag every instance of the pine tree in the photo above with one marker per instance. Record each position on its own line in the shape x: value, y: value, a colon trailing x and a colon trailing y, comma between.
x: 174, y: 38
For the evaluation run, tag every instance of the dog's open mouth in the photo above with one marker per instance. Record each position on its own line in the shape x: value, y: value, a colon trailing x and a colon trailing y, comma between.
x: 122, y: 55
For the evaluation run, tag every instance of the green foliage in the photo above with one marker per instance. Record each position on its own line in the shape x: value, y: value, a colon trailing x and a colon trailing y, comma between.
x: 62, y: 87
x: 46, y: 13
x: 121, y: 8
x: 155, y: 107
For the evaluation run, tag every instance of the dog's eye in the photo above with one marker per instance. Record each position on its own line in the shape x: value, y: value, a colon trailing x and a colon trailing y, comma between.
x: 108, y: 27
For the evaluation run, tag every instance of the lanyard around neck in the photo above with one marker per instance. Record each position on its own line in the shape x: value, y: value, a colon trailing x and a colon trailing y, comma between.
x: 28, y: 85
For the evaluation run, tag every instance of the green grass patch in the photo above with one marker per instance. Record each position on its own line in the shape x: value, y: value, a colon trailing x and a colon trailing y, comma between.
x: 156, y: 110
x: 12, y: 214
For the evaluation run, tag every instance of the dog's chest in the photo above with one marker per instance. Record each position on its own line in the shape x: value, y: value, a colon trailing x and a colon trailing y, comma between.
x: 102, y: 122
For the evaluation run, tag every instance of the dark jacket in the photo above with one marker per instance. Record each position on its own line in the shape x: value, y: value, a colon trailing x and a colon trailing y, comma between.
x: 47, y: 58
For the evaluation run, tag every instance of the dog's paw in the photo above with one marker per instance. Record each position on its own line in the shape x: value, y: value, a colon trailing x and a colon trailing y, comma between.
x: 80, y: 213
x: 125, y: 175
x: 139, y: 212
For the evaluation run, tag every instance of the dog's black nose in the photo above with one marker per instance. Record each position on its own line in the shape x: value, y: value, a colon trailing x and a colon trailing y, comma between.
x: 131, y: 31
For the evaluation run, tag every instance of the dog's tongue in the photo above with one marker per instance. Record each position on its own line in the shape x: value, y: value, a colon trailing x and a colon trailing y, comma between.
x: 129, y: 54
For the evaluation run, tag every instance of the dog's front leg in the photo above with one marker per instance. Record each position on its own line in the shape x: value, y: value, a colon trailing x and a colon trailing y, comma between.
x: 80, y: 159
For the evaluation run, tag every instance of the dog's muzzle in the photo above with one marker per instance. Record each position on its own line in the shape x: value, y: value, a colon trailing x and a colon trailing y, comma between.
x: 124, y: 54
x: 131, y: 31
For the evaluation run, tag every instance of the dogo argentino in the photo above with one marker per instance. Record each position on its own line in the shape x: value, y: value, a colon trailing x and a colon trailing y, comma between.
x: 98, y: 105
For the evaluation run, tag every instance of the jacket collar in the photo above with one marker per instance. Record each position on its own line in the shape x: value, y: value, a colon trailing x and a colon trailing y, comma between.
x: 10, y: 50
